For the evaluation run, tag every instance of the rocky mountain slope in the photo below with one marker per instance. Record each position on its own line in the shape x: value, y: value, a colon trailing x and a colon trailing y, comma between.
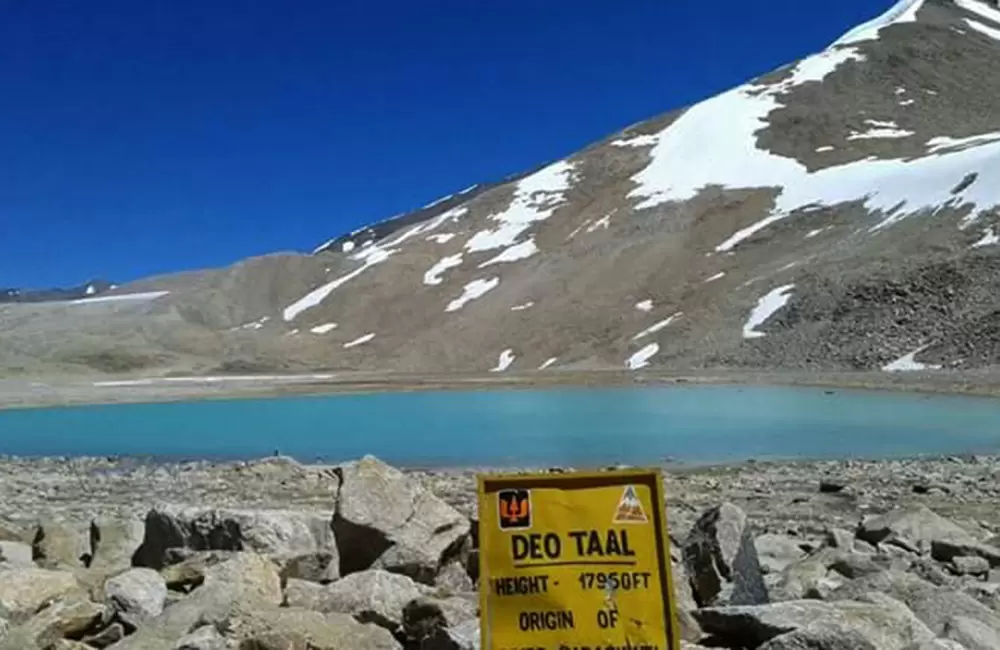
x: 838, y: 213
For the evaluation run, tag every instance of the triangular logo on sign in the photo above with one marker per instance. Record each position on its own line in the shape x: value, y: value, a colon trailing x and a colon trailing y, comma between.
x: 630, y: 510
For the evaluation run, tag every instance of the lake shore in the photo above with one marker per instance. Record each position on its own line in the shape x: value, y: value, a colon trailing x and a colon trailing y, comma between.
x: 778, y: 495
x: 911, y: 543
x: 52, y: 392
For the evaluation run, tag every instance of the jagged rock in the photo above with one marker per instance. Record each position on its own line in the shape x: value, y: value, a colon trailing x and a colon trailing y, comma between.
x: 322, y: 567
x: 775, y: 552
x: 840, y: 539
x: 384, y: 516
x: 931, y: 604
x: 454, y: 578
x: 374, y: 596
x: 916, y: 527
x: 973, y: 634
x: 970, y: 566
x: 303, y: 594
x: 685, y: 604
x: 23, y: 591
x: 137, y: 595
x: 69, y: 617
x: 465, y: 636
x: 57, y: 545
x: 810, y: 577
x: 832, y: 486
x: 287, y: 628
x: 721, y: 560
x: 243, y: 579
x: 113, y: 542
x: 820, y: 637
x: 931, y: 571
x: 108, y: 636
x: 190, y: 572
x: 886, y: 628
x: 424, y: 625
x: 205, y: 637
x: 947, y: 550
x: 937, y: 644
x: 15, y: 555
x: 277, y: 533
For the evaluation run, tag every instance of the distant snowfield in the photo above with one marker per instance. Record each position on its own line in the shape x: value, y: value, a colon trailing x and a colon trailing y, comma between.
x: 121, y: 297
x: 715, y: 143
x: 766, y: 307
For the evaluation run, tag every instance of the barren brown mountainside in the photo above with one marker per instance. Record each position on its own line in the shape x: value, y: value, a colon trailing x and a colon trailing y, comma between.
x: 838, y: 213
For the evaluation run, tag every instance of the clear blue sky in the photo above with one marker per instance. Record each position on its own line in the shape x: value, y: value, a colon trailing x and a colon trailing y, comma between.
x: 140, y: 137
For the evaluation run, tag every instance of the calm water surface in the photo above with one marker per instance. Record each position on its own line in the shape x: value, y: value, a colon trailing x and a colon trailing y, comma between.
x: 530, y: 427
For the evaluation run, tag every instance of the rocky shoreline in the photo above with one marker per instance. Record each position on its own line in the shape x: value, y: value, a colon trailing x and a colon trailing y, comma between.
x: 274, y: 554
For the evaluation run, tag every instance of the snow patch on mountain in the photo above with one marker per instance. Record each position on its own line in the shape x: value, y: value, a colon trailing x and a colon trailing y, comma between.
x: 433, y: 274
x: 506, y: 358
x: 641, y: 358
x: 536, y: 197
x: 644, y: 305
x: 656, y: 327
x: 513, y: 253
x: 766, y: 307
x: 714, y: 143
x: 360, y: 340
x: 989, y: 239
x: 473, y: 290
x: 880, y: 129
x: 983, y: 29
x: 369, y: 255
x: 904, y: 11
x: 907, y: 363
x: 548, y: 363
x: 981, y: 9
x: 324, y: 328
x: 121, y: 297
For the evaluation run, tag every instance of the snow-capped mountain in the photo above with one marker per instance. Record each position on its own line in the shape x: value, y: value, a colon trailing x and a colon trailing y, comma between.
x: 838, y: 213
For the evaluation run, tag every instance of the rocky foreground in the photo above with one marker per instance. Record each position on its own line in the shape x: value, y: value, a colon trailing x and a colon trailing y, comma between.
x: 276, y: 555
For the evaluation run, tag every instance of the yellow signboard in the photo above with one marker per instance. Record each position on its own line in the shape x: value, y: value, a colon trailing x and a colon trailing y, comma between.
x: 575, y: 562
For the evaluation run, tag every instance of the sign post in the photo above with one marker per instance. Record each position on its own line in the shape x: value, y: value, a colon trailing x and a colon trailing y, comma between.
x: 576, y: 561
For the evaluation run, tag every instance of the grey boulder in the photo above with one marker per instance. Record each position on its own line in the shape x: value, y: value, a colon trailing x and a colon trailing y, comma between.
x: 137, y: 595
x: 385, y: 519
x: 721, y: 560
x: 113, y: 542
x: 916, y: 526
x: 973, y: 634
x: 276, y: 533
x: 15, y: 555
x: 931, y: 604
x: 883, y: 626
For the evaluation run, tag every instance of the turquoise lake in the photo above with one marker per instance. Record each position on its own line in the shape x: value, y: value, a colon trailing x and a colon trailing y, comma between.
x: 582, y: 427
